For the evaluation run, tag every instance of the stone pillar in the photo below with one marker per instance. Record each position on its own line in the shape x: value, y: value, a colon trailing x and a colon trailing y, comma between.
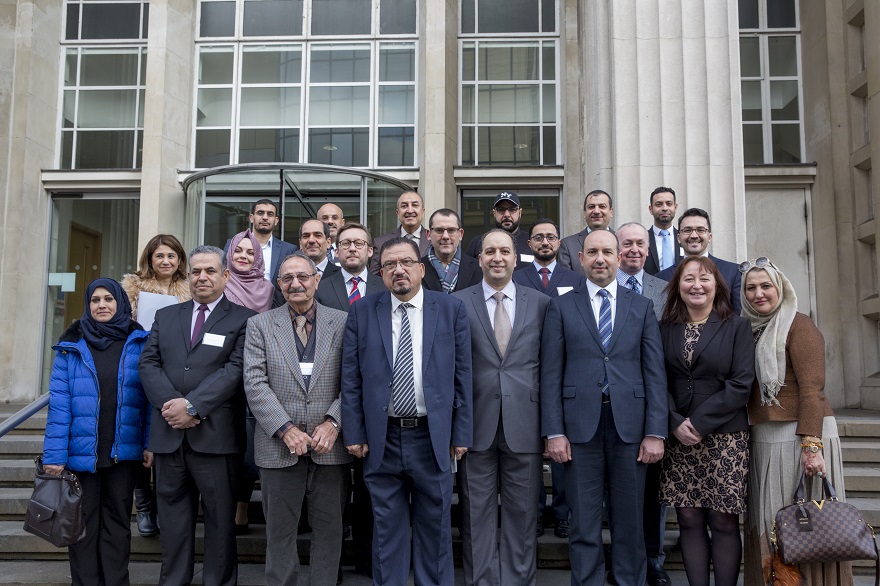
x: 29, y: 62
x: 167, y: 107
x: 438, y: 103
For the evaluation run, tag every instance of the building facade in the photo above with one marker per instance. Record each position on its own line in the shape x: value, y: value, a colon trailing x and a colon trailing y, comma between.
x: 120, y: 119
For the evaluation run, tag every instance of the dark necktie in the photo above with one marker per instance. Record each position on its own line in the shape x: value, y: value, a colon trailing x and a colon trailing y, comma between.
x: 403, y: 386
x: 634, y: 284
x: 200, y: 322
x: 605, y: 330
x: 545, y: 276
x: 355, y: 293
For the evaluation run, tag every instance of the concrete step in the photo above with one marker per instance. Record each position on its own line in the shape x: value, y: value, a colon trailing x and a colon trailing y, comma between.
x: 36, y: 423
x: 21, y: 446
x: 857, y: 423
x: 16, y: 472
x: 861, y: 451
x: 862, y: 481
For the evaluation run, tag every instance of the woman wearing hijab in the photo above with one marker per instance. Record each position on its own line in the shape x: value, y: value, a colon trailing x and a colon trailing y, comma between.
x: 793, y: 427
x: 247, y: 287
x: 97, y: 427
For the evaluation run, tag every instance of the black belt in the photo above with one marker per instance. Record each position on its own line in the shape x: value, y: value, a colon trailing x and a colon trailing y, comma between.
x: 408, y: 421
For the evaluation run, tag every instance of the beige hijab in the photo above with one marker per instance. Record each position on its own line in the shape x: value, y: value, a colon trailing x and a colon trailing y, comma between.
x: 770, y: 347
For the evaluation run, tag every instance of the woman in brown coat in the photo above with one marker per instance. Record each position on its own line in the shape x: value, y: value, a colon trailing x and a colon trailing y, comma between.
x: 793, y: 426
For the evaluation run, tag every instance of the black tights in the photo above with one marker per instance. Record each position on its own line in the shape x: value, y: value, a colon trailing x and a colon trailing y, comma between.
x: 724, y: 549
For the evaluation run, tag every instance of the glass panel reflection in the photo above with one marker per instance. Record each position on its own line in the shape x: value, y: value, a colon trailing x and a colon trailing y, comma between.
x: 347, y: 147
x: 510, y: 16
x: 508, y: 104
x: 508, y: 62
x: 341, y: 17
x: 271, y: 64
x: 272, y: 18
x: 217, y: 19
x: 340, y: 64
x: 783, y: 56
x: 751, y: 100
x: 215, y: 65
x: 109, y: 67
x: 339, y: 105
x: 509, y: 145
x: 753, y: 144
x: 270, y: 106
x: 214, y: 107
x: 268, y: 145
x: 784, y: 100
x: 107, y: 109
x: 750, y: 56
x: 786, y: 144
x: 397, y: 104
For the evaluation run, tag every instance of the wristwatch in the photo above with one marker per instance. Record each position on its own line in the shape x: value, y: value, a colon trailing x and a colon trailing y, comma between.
x: 812, y: 448
x: 190, y: 410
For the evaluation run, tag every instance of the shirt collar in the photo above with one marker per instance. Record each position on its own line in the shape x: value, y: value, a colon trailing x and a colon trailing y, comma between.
x: 593, y: 288
x: 488, y: 291
x: 268, y: 243
x: 551, y: 267
x: 657, y: 230
x: 417, y: 234
x: 322, y: 265
x: 346, y: 276
x: 623, y: 277
x: 211, y: 305
x: 418, y: 301
x: 309, y: 313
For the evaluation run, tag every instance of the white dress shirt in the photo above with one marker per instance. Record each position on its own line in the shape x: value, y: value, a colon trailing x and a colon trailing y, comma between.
x: 596, y: 299
x: 551, y: 267
x: 195, y: 314
x: 416, y: 319
x: 362, y: 286
x: 321, y: 265
x: 509, y: 302
x: 416, y: 236
x: 267, y: 258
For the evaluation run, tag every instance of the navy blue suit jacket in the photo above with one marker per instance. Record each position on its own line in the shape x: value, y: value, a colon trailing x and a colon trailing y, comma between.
x: 446, y: 375
x: 561, y: 277
x: 573, y: 366
x: 730, y: 272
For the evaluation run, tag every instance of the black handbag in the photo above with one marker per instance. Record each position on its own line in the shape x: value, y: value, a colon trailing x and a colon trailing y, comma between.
x: 54, y: 512
x: 829, y: 530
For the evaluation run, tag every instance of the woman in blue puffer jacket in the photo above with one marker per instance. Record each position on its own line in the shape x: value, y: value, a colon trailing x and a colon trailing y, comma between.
x: 97, y: 427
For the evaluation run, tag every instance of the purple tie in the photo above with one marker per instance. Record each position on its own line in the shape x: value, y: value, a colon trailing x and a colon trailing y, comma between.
x: 200, y: 321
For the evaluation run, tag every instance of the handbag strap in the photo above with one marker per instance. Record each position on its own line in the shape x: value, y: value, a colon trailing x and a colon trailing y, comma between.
x: 827, y: 489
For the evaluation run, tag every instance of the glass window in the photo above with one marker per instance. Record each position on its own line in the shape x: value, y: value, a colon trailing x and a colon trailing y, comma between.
x: 750, y: 56
x: 783, y: 56
x: 106, y: 20
x: 347, y: 147
x: 508, y: 16
x: 748, y: 14
x: 266, y: 145
x: 272, y: 18
x: 781, y: 14
x: 217, y: 19
x: 397, y: 17
x: 271, y: 64
x: 341, y: 17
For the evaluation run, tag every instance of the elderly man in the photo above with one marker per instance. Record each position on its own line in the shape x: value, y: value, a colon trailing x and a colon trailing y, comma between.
x: 191, y: 369
x: 598, y: 211
x: 292, y: 361
x: 446, y: 269
x: 410, y: 212
x: 406, y: 408
x: 506, y: 322
x: 331, y: 214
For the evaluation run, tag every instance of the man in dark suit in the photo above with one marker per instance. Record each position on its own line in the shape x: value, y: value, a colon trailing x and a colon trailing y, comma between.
x: 410, y: 212
x: 664, y: 250
x: 598, y: 211
x: 263, y: 219
x: 603, y: 410
x: 352, y: 281
x: 506, y: 322
x: 459, y: 271
x: 331, y: 214
x: 544, y: 273
x: 633, y: 240
x: 507, y: 211
x: 191, y: 369
x: 694, y: 235
x: 406, y: 408
x: 314, y: 239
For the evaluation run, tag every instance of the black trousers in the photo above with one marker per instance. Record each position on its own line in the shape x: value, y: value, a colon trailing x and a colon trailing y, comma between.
x: 102, y: 557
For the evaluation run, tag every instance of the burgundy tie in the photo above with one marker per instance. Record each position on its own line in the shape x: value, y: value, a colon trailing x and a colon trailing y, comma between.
x: 545, y: 276
x: 200, y: 321
x: 355, y: 291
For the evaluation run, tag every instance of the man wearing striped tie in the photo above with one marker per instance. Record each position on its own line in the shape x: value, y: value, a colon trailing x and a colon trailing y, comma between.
x: 407, y: 409
x: 603, y: 410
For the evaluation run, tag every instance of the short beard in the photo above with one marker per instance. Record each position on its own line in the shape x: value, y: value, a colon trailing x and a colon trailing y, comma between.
x: 263, y: 230
x: 546, y: 257
x: 401, y: 288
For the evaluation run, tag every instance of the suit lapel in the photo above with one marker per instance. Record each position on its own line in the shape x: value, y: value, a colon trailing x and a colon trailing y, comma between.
x: 339, y: 288
x: 429, y: 329
x: 483, y: 315
x: 219, y: 312
x: 585, y: 308
x: 465, y: 271
x: 555, y: 278
x: 322, y: 344
x: 383, y: 316
x: 284, y: 334
x: 522, y: 307
x: 709, y: 330
x: 621, y: 313
x: 534, y: 278
x: 677, y: 333
x: 186, y: 311
x: 652, y: 249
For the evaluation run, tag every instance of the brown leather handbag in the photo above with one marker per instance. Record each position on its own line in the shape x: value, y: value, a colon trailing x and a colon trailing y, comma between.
x: 54, y: 512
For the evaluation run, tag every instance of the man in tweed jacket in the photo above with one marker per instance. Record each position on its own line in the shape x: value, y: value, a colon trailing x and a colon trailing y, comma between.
x: 292, y: 361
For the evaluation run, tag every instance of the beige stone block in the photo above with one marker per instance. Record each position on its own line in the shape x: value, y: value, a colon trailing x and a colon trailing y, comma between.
x: 647, y: 20
x: 625, y: 72
x: 693, y: 23
x: 670, y: 16
x: 623, y: 14
x: 717, y: 16
x: 696, y: 192
x: 650, y: 130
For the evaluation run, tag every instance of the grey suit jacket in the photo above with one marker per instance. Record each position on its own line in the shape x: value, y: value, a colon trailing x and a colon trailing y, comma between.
x: 424, y: 243
x: 653, y: 289
x: 333, y: 292
x: 275, y: 388
x: 569, y: 247
x: 507, y: 387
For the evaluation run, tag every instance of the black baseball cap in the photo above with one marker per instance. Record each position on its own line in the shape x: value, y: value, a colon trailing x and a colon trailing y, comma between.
x: 507, y: 196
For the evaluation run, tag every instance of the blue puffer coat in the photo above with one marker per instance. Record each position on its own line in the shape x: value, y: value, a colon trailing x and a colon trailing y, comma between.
x: 72, y: 422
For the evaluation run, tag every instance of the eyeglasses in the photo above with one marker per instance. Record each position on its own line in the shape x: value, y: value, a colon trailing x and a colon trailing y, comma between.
x: 390, y: 265
x: 442, y: 231
x: 551, y: 238
x: 505, y: 210
x: 301, y: 277
x: 346, y: 244
x: 688, y: 231
x: 759, y: 263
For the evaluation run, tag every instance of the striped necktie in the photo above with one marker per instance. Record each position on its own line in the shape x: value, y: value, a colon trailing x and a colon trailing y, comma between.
x: 403, y: 386
x: 605, y: 330
x: 355, y: 293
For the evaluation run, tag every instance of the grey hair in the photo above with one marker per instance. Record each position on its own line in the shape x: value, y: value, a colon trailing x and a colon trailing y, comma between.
x: 299, y: 254
x: 208, y: 249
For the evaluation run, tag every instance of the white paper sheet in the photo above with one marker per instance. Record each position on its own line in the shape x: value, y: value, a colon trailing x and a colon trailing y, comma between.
x: 149, y: 304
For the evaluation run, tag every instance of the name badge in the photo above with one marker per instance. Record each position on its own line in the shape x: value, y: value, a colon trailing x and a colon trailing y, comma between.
x: 563, y: 290
x: 306, y: 368
x: 213, y: 340
x: 527, y: 258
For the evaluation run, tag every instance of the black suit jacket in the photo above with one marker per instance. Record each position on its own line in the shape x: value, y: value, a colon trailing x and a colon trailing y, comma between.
x: 333, y: 292
x: 210, y: 377
x: 424, y: 243
x: 730, y: 272
x: 469, y: 274
x: 561, y: 277
x: 715, y: 390
x: 652, y: 263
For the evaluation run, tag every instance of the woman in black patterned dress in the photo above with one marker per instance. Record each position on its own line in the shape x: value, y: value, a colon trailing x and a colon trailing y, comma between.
x: 710, y: 367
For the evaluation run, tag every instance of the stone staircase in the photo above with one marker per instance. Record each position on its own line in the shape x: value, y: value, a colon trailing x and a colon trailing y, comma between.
x: 859, y: 430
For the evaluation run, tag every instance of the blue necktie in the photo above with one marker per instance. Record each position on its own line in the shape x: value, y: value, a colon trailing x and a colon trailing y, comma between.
x: 605, y: 330
x: 633, y: 284
x: 668, y: 256
x: 403, y: 386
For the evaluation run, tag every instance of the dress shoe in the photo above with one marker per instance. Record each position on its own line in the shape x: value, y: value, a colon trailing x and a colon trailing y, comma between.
x: 540, y: 529
x: 339, y: 576
x: 562, y: 528
x: 657, y: 576
x: 146, y: 512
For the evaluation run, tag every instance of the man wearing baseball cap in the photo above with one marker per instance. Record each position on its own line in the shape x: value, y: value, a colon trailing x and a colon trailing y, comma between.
x: 508, y: 213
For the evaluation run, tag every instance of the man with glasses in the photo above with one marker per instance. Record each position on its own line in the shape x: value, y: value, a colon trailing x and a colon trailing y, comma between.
x: 292, y: 359
x: 314, y: 238
x: 352, y: 281
x: 694, y: 235
x: 446, y: 269
x: 544, y: 273
x: 407, y: 409
x: 410, y: 212
x: 507, y: 211
x: 598, y: 211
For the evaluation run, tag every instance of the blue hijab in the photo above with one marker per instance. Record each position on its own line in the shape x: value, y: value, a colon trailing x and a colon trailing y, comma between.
x: 101, y: 335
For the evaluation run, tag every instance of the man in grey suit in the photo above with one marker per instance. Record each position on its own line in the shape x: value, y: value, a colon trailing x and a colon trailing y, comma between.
x: 292, y: 366
x: 506, y: 322
x: 598, y: 211
x: 342, y: 288
x: 634, y: 243
x: 603, y: 410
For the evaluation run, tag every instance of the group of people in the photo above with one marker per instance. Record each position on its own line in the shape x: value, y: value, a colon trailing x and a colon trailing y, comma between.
x: 360, y: 379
